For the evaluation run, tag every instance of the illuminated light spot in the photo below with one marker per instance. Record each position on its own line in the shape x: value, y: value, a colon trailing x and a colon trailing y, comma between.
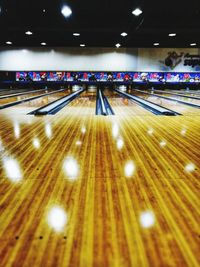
x: 183, y: 132
x: 71, y: 168
x: 12, y: 169
x: 163, y: 143
x: 28, y: 33
x: 190, y: 167
x: 124, y: 34
x: 48, y: 130
x: 137, y: 12
x: 150, y: 131
x: 16, y: 130
x: 66, y: 11
x: 118, y: 45
x: 115, y: 130
x: 76, y: 34
x: 83, y: 129
x: 78, y: 143
x: 120, y: 143
x: 57, y: 218
x: 36, y: 143
x: 172, y: 34
x: 129, y: 169
x: 147, y: 219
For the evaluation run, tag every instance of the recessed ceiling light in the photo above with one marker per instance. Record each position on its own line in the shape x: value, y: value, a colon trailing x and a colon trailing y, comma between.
x: 172, y: 34
x: 76, y: 34
x: 82, y: 45
x: 28, y: 33
x: 66, y: 11
x: 8, y: 42
x: 124, y: 34
x: 43, y: 43
x: 193, y: 44
x: 118, y: 45
x: 137, y: 12
x: 44, y: 10
x: 156, y: 44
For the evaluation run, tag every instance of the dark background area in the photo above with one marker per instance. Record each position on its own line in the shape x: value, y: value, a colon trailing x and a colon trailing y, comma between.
x: 100, y: 23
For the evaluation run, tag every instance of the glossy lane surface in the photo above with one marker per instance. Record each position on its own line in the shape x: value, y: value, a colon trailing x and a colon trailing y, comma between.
x: 84, y: 190
x: 175, y: 106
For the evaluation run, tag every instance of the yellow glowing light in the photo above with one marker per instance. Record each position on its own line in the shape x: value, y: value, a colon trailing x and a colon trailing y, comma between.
x: 150, y: 131
x: 12, y: 169
x: 147, y: 219
x: 16, y: 130
x: 115, y: 130
x: 83, y: 129
x: 78, y: 143
x: 163, y: 143
x: 48, y: 130
x: 36, y: 143
x: 190, y: 167
x: 120, y: 143
x: 57, y: 218
x: 71, y: 168
x: 129, y: 169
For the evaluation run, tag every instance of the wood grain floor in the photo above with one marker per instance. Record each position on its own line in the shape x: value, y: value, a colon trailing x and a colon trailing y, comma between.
x: 83, y: 190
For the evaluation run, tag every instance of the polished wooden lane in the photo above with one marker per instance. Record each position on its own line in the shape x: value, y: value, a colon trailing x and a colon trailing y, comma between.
x: 124, y: 106
x: 178, y: 107
x: 24, y: 96
x: 84, y: 190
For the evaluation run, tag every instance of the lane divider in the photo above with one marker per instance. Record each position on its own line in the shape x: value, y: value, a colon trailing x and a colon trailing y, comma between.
x: 154, y: 108
x: 22, y: 93
x: 102, y: 105
x: 169, y: 98
x: 57, y: 105
x: 28, y: 99
x: 177, y: 94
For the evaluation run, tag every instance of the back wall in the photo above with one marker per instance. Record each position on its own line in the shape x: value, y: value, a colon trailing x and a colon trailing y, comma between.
x: 97, y: 59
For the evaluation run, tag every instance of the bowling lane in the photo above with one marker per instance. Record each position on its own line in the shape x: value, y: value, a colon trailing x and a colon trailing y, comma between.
x: 17, y: 90
x: 29, y: 106
x: 85, y: 104
x: 21, y: 97
x: 178, y: 107
x: 184, y: 92
x: 123, y: 106
x: 186, y: 99
x: 179, y: 93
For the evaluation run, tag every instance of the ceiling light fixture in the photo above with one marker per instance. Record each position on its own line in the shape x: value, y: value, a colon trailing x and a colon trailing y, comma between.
x: 82, y: 45
x: 28, y: 33
x: 124, y: 34
x: 43, y: 43
x: 156, y: 44
x: 193, y: 44
x: 172, y: 34
x: 76, y: 34
x: 8, y: 42
x: 137, y: 12
x: 66, y: 11
x: 118, y: 45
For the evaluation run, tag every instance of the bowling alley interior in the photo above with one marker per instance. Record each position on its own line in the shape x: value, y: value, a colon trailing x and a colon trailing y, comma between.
x: 99, y: 133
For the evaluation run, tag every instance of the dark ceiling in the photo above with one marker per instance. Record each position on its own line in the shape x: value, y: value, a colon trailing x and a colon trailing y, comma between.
x: 100, y: 23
